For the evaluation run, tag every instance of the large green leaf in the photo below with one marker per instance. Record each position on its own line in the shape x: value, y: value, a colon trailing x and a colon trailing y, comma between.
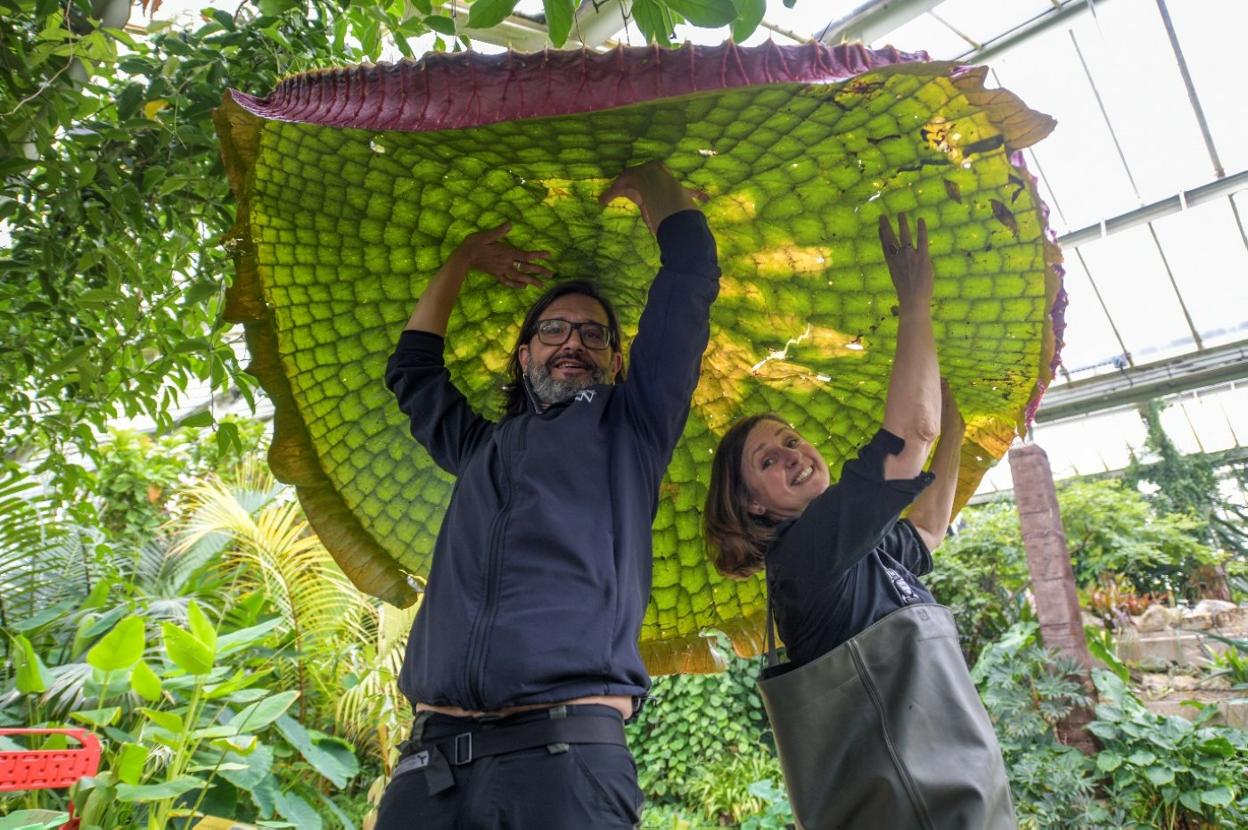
x: 32, y: 676
x: 145, y: 682
x: 188, y: 652
x: 331, y: 757
x: 258, y: 763
x: 143, y: 793
x: 120, y: 648
x: 33, y: 820
x: 354, y: 185
x: 260, y: 714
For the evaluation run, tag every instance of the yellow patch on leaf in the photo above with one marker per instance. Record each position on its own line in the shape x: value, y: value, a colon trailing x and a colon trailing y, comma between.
x: 789, y: 260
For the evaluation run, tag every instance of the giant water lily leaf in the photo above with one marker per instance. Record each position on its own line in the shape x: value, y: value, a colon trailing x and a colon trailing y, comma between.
x: 355, y: 184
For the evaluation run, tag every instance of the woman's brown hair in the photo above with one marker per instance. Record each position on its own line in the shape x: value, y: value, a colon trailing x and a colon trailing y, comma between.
x: 738, y: 539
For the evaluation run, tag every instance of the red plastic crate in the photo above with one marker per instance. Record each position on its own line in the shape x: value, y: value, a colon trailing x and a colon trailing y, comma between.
x: 48, y: 769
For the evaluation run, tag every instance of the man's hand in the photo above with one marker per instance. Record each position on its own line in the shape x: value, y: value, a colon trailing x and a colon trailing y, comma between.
x: 909, y: 265
x: 653, y: 189
x: 486, y: 251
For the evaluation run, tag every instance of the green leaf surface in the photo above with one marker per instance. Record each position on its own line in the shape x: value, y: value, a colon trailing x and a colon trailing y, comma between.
x: 1218, y: 797
x: 33, y: 820
x: 129, y: 762
x: 649, y: 17
x: 707, y: 13
x: 258, y: 763
x: 186, y: 651
x: 31, y: 675
x: 440, y: 23
x: 294, y: 807
x: 145, y: 682
x: 201, y: 627
x: 749, y: 15
x: 97, y: 717
x: 330, y: 757
x: 1159, y: 776
x: 144, y: 793
x: 120, y: 648
x: 263, y: 712
x: 170, y: 721
x: 1108, y: 761
x: 483, y: 14
x: 242, y: 638
x: 559, y: 14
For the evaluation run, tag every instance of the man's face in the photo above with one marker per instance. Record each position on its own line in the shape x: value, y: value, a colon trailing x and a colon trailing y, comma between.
x: 558, y: 372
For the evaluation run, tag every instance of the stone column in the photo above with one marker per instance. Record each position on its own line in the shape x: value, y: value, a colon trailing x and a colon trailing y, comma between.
x: 1052, y: 576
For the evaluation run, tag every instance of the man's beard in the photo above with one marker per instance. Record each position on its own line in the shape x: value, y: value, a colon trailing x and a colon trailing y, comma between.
x: 549, y: 390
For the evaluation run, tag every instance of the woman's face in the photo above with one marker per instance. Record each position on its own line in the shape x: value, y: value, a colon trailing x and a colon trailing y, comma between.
x: 782, y: 471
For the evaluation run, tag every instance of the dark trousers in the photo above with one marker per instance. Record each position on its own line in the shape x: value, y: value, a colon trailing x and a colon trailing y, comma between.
x: 582, y: 787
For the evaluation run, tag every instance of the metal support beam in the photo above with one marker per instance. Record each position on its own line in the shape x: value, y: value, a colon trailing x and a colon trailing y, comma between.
x: 1215, y: 189
x: 598, y: 23
x: 1218, y: 459
x: 1220, y: 364
x: 874, y: 19
x: 515, y: 32
x: 1065, y: 11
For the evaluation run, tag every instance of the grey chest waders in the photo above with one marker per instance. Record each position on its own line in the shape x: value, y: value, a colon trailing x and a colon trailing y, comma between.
x: 886, y: 731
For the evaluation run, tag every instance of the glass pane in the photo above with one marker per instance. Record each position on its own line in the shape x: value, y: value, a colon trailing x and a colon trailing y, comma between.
x: 1210, y: 265
x: 1205, y: 417
x: 1079, y: 159
x: 1090, y: 345
x: 1097, y: 443
x: 1130, y: 58
x: 1212, y: 38
x: 1133, y: 282
x: 982, y: 21
x: 924, y: 34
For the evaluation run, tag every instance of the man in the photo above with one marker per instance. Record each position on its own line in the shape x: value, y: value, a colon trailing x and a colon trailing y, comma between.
x: 522, y: 663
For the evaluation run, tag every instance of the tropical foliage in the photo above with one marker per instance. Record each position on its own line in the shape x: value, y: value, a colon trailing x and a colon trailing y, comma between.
x: 211, y: 659
x: 1121, y: 546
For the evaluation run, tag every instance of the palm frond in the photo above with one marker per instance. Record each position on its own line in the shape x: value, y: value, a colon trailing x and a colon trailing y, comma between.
x: 44, y: 560
x: 373, y: 713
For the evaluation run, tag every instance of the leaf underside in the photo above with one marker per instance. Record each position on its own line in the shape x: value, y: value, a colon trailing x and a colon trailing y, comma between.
x: 341, y: 227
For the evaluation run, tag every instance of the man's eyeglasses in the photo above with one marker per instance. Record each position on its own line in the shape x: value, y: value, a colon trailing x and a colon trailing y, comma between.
x: 555, y: 332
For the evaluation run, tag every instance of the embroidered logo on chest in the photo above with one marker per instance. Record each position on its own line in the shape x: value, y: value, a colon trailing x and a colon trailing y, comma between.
x: 585, y: 396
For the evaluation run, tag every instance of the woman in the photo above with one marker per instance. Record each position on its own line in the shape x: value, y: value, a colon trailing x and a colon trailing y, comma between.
x: 876, y: 719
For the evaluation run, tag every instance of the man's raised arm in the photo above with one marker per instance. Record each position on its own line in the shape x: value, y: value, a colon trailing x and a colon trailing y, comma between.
x: 666, y: 355
x: 439, y: 416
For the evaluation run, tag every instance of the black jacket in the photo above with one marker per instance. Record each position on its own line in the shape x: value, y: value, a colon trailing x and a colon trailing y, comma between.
x: 541, y: 570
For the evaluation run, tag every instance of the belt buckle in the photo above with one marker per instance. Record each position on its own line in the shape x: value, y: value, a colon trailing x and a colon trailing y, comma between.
x: 463, y: 749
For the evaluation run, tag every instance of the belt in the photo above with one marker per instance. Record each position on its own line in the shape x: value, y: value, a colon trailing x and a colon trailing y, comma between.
x: 436, y: 757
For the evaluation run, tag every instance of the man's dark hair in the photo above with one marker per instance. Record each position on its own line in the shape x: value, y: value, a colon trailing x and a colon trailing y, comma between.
x: 515, y: 395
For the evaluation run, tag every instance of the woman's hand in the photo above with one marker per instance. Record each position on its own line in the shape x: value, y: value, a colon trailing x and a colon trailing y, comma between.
x: 908, y: 264
x: 952, y: 424
x: 514, y: 267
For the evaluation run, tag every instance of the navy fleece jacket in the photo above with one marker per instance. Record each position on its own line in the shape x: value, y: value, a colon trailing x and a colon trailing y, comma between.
x: 541, y: 570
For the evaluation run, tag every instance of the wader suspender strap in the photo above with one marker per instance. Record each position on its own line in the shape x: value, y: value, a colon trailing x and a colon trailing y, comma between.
x: 772, y: 657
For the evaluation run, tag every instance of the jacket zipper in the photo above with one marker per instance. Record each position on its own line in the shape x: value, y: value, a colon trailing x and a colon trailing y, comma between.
x: 475, y: 664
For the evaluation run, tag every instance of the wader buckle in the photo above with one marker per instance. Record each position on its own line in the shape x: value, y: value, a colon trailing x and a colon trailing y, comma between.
x: 463, y: 749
